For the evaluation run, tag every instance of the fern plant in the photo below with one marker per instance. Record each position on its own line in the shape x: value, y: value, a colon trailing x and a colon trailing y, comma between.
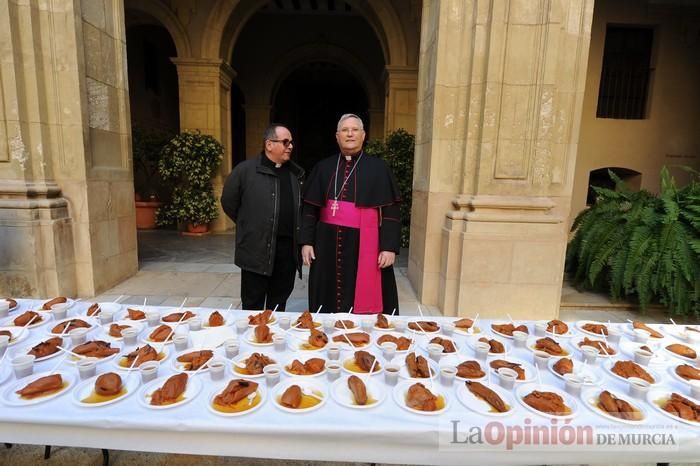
x: 640, y: 245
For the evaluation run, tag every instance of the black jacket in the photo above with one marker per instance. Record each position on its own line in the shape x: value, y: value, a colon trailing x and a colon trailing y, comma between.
x: 251, y: 198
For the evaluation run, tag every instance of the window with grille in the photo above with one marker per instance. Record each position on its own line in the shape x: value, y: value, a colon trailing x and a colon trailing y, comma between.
x: 624, y: 81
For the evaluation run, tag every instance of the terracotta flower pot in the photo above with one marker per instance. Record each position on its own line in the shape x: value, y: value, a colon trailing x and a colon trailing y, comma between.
x: 192, y: 228
x: 146, y: 214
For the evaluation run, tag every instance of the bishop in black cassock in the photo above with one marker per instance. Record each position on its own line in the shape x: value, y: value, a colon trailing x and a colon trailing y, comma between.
x: 340, y: 187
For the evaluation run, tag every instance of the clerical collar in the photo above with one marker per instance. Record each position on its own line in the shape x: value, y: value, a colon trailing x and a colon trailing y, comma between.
x: 269, y: 163
x: 351, y: 156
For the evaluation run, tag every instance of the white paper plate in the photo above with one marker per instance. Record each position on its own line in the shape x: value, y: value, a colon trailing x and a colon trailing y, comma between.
x: 476, y: 332
x: 114, y: 308
x: 74, y: 360
x: 342, y: 394
x: 250, y: 338
x: 569, y: 400
x: 589, y: 373
x: 18, y: 335
x: 378, y: 368
x: 628, y: 328
x: 576, y: 342
x: 656, y: 397
x: 59, y: 322
x: 581, y: 323
x: 503, y: 322
x: 69, y: 302
x: 87, y: 387
x: 419, y: 332
x: 303, y: 358
x: 305, y: 384
x: 659, y: 358
x: 657, y: 378
x: 11, y: 398
x: 390, y: 329
x: 530, y: 370
x: 690, y: 383
x: 131, y: 323
x: 16, y: 306
x: 568, y: 334
x: 344, y: 343
x: 165, y: 314
x: 403, y: 371
x: 680, y: 332
x: 10, y: 321
x: 589, y: 398
x: 241, y: 359
x: 180, y: 366
x: 454, y: 361
x: 355, y: 325
x: 214, y: 393
x: 458, y: 347
x: 194, y: 385
x: 479, y: 406
x: 146, y: 336
x: 569, y: 351
x: 317, y: 325
x: 159, y: 348
x: 401, y: 391
x: 273, y: 320
x: 678, y: 356
x: 506, y: 345
x: 227, y: 315
x: 5, y: 373
x: 411, y: 347
x: 300, y: 342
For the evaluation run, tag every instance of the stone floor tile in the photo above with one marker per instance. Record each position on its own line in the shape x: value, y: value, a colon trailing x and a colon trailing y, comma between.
x: 227, y: 268
x: 176, y: 301
x: 152, y: 300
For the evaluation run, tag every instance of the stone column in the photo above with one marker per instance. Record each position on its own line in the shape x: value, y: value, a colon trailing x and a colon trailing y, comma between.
x: 400, y: 108
x: 500, y: 96
x: 205, y: 101
x: 376, y: 124
x: 257, y: 117
x: 66, y: 189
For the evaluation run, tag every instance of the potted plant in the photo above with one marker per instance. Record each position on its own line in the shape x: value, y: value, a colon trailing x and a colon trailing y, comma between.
x: 188, y: 161
x: 146, y: 146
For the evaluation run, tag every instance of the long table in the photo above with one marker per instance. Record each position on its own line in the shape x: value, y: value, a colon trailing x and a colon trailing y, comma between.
x: 386, y: 433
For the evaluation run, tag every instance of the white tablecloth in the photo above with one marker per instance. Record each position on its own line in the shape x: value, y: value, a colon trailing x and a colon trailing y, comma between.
x: 386, y: 433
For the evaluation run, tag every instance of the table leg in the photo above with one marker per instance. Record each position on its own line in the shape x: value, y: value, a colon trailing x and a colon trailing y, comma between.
x: 47, y: 452
x: 8, y: 445
x: 105, y: 457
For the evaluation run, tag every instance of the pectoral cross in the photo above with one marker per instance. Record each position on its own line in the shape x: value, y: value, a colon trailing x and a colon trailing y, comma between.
x: 334, y: 207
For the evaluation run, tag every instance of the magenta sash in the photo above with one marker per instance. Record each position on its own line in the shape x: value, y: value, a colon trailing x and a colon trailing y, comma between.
x: 368, y: 286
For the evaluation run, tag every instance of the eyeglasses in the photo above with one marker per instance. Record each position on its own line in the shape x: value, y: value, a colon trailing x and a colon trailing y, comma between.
x: 285, y: 142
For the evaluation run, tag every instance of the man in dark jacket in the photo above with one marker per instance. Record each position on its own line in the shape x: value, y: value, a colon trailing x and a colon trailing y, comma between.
x: 263, y: 197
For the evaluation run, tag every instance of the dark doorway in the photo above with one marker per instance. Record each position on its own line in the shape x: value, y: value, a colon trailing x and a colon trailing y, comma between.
x: 237, y: 126
x: 310, y: 101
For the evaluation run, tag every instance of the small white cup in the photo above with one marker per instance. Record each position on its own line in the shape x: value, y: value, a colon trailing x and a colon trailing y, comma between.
x: 241, y: 325
x: 149, y: 371
x: 391, y: 373
x: 332, y: 370
x: 695, y: 391
x: 4, y: 341
x: 153, y: 318
x: 520, y: 339
x: 181, y: 342
x: 435, y: 351
x: 106, y: 317
x: 284, y: 322
x: 448, y: 375
x: 541, y: 358
x: 638, y: 388
x: 195, y: 324
x: 641, y: 335
x: 78, y: 336
x: 280, y: 342
x: 272, y: 374
x: 574, y: 384
x: 231, y: 347
x: 642, y: 357
x: 217, y: 369
x: 614, y: 335
x: 448, y: 329
x: 129, y: 335
x: 399, y: 325
x: 4, y: 308
x: 367, y: 325
x: 389, y: 350
x: 59, y: 311
x: 693, y: 337
x: 507, y: 377
x: 87, y: 368
x: 333, y: 351
x: 328, y: 325
x: 540, y: 329
x: 481, y: 350
x: 23, y: 365
x: 590, y: 354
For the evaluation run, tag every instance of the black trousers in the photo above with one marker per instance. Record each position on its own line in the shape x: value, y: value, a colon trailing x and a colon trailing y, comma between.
x: 263, y: 292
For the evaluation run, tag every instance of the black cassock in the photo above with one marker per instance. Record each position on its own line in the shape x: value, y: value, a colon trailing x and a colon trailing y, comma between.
x: 333, y: 273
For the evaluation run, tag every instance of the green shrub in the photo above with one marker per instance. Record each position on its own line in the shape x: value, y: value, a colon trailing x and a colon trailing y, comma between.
x: 398, y: 150
x: 189, y: 161
x: 640, y: 245
x: 146, y: 145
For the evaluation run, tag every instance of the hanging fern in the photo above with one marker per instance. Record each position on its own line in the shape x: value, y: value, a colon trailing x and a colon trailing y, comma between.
x: 641, y: 246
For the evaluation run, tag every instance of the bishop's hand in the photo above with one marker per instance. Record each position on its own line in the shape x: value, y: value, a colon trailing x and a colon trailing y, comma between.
x: 386, y: 259
x: 307, y: 254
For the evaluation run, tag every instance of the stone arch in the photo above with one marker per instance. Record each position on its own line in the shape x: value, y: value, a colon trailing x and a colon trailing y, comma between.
x: 228, y: 17
x: 168, y: 19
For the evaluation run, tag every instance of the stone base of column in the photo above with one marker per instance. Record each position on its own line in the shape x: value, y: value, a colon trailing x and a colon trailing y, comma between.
x: 36, y: 241
x: 506, y: 255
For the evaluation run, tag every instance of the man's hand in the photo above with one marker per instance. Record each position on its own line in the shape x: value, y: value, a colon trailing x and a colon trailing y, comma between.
x: 307, y: 254
x: 386, y: 259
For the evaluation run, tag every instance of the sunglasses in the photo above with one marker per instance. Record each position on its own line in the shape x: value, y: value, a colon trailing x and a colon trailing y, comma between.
x: 285, y: 142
